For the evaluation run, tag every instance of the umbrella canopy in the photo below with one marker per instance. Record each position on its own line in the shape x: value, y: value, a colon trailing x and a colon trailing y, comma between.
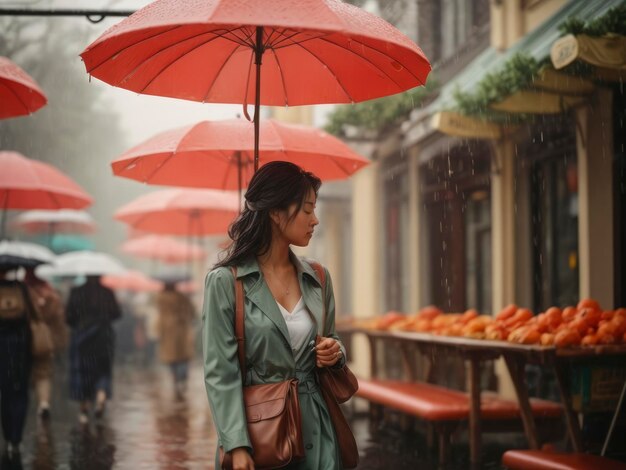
x: 162, y: 248
x: 134, y: 281
x: 19, y: 94
x: 181, y: 212
x: 31, y: 184
x: 81, y: 263
x: 14, y: 254
x: 219, y: 154
x: 309, y: 51
x: 61, y: 221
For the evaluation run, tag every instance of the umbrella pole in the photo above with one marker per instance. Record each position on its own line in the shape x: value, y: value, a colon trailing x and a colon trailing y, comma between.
x: 5, y: 206
x: 239, y: 185
x: 258, y: 57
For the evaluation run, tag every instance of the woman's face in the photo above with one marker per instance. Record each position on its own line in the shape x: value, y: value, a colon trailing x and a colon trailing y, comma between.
x: 298, y: 229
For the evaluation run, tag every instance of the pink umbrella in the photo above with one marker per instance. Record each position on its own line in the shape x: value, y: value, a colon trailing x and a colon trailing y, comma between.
x: 19, y: 93
x: 30, y: 184
x: 220, y: 154
x: 133, y: 281
x: 162, y: 248
x: 181, y: 212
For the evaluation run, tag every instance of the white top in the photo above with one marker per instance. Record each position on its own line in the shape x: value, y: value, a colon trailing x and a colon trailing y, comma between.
x: 299, y: 325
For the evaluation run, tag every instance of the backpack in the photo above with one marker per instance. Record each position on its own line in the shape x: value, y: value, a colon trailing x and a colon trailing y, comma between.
x: 13, y: 303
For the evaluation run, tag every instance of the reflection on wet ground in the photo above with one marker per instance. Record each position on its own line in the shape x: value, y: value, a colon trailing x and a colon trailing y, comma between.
x: 145, y: 427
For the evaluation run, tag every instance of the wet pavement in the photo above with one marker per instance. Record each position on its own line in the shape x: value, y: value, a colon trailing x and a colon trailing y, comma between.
x: 145, y: 427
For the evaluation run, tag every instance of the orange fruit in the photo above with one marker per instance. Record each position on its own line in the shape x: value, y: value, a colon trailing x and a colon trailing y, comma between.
x: 568, y: 314
x: 588, y: 303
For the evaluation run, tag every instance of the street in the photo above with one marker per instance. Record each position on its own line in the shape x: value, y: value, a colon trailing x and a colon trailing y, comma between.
x: 146, y: 427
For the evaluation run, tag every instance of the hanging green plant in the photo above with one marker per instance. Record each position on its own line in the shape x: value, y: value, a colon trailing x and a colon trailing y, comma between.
x: 612, y: 22
x: 518, y: 73
x: 378, y: 114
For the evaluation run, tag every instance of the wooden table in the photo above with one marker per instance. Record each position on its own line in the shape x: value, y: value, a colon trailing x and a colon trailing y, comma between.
x: 516, y: 356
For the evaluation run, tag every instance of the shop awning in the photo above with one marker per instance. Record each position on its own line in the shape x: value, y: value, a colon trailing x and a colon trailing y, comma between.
x: 458, y: 125
x: 608, y: 52
x: 537, y: 45
x: 551, y: 93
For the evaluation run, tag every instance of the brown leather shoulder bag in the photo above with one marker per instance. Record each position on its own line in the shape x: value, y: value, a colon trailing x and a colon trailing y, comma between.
x: 337, y: 384
x: 272, y: 410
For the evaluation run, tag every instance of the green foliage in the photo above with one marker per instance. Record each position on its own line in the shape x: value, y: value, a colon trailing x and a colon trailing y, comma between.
x: 380, y: 113
x: 613, y: 22
x: 517, y: 74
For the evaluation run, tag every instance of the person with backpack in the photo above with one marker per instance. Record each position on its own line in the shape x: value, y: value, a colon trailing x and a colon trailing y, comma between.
x: 16, y: 309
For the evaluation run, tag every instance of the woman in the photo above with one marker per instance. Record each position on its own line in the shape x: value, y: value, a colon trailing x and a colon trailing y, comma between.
x: 283, y: 308
x: 90, y: 311
x: 176, y: 338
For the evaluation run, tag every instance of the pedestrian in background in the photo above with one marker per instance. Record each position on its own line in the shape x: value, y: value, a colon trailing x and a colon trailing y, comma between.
x: 16, y: 309
x: 47, y: 302
x: 283, y: 311
x: 91, y: 310
x: 176, y: 335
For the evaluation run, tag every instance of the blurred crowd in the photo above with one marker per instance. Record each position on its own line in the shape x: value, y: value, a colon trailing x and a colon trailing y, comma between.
x: 77, y: 331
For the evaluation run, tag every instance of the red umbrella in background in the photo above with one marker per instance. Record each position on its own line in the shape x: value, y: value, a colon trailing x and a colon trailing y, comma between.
x: 219, y: 154
x: 181, y: 212
x: 134, y: 281
x: 162, y: 248
x: 19, y: 93
x: 31, y: 184
x: 309, y: 52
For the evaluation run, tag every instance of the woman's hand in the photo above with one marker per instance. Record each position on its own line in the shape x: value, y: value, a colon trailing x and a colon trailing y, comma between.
x: 327, y: 352
x: 242, y: 459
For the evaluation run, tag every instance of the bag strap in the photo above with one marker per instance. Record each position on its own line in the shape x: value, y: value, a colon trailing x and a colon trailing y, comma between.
x: 321, y: 274
x: 239, y: 323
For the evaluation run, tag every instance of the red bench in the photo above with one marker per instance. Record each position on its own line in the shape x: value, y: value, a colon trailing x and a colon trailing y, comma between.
x: 548, y: 460
x: 446, y: 408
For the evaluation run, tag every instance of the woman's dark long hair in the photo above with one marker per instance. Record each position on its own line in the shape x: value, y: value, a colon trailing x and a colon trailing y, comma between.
x: 275, y: 186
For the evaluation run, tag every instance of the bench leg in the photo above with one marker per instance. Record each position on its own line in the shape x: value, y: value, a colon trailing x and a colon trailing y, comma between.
x: 444, y: 431
x: 474, y: 418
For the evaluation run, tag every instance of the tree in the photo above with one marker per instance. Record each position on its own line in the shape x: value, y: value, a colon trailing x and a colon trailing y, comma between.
x: 77, y: 131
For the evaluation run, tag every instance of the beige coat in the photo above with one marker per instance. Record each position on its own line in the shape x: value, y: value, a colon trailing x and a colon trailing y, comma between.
x: 175, y: 326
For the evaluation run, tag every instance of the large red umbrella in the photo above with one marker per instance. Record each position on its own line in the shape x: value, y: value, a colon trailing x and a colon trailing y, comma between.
x: 219, y: 154
x: 31, y: 184
x: 19, y: 93
x: 181, y: 212
x: 162, y: 248
x: 310, y: 51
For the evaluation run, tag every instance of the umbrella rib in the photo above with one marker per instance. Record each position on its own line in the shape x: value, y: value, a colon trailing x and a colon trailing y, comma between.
x: 16, y: 95
x: 367, y: 60
x: 282, y: 76
x: 329, y: 69
x: 216, y: 76
x: 119, y: 51
x: 163, y: 69
x: 379, y: 52
x: 279, y: 44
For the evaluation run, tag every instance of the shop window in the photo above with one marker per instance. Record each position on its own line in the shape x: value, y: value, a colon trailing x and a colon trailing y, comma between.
x: 458, y: 21
x: 456, y: 198
x: 554, y: 216
x: 396, y: 232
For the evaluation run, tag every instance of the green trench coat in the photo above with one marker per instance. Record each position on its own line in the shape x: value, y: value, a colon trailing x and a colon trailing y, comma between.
x: 269, y: 357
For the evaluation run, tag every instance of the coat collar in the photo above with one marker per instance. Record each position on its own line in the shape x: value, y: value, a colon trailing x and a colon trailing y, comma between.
x: 251, y: 266
x: 258, y: 292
